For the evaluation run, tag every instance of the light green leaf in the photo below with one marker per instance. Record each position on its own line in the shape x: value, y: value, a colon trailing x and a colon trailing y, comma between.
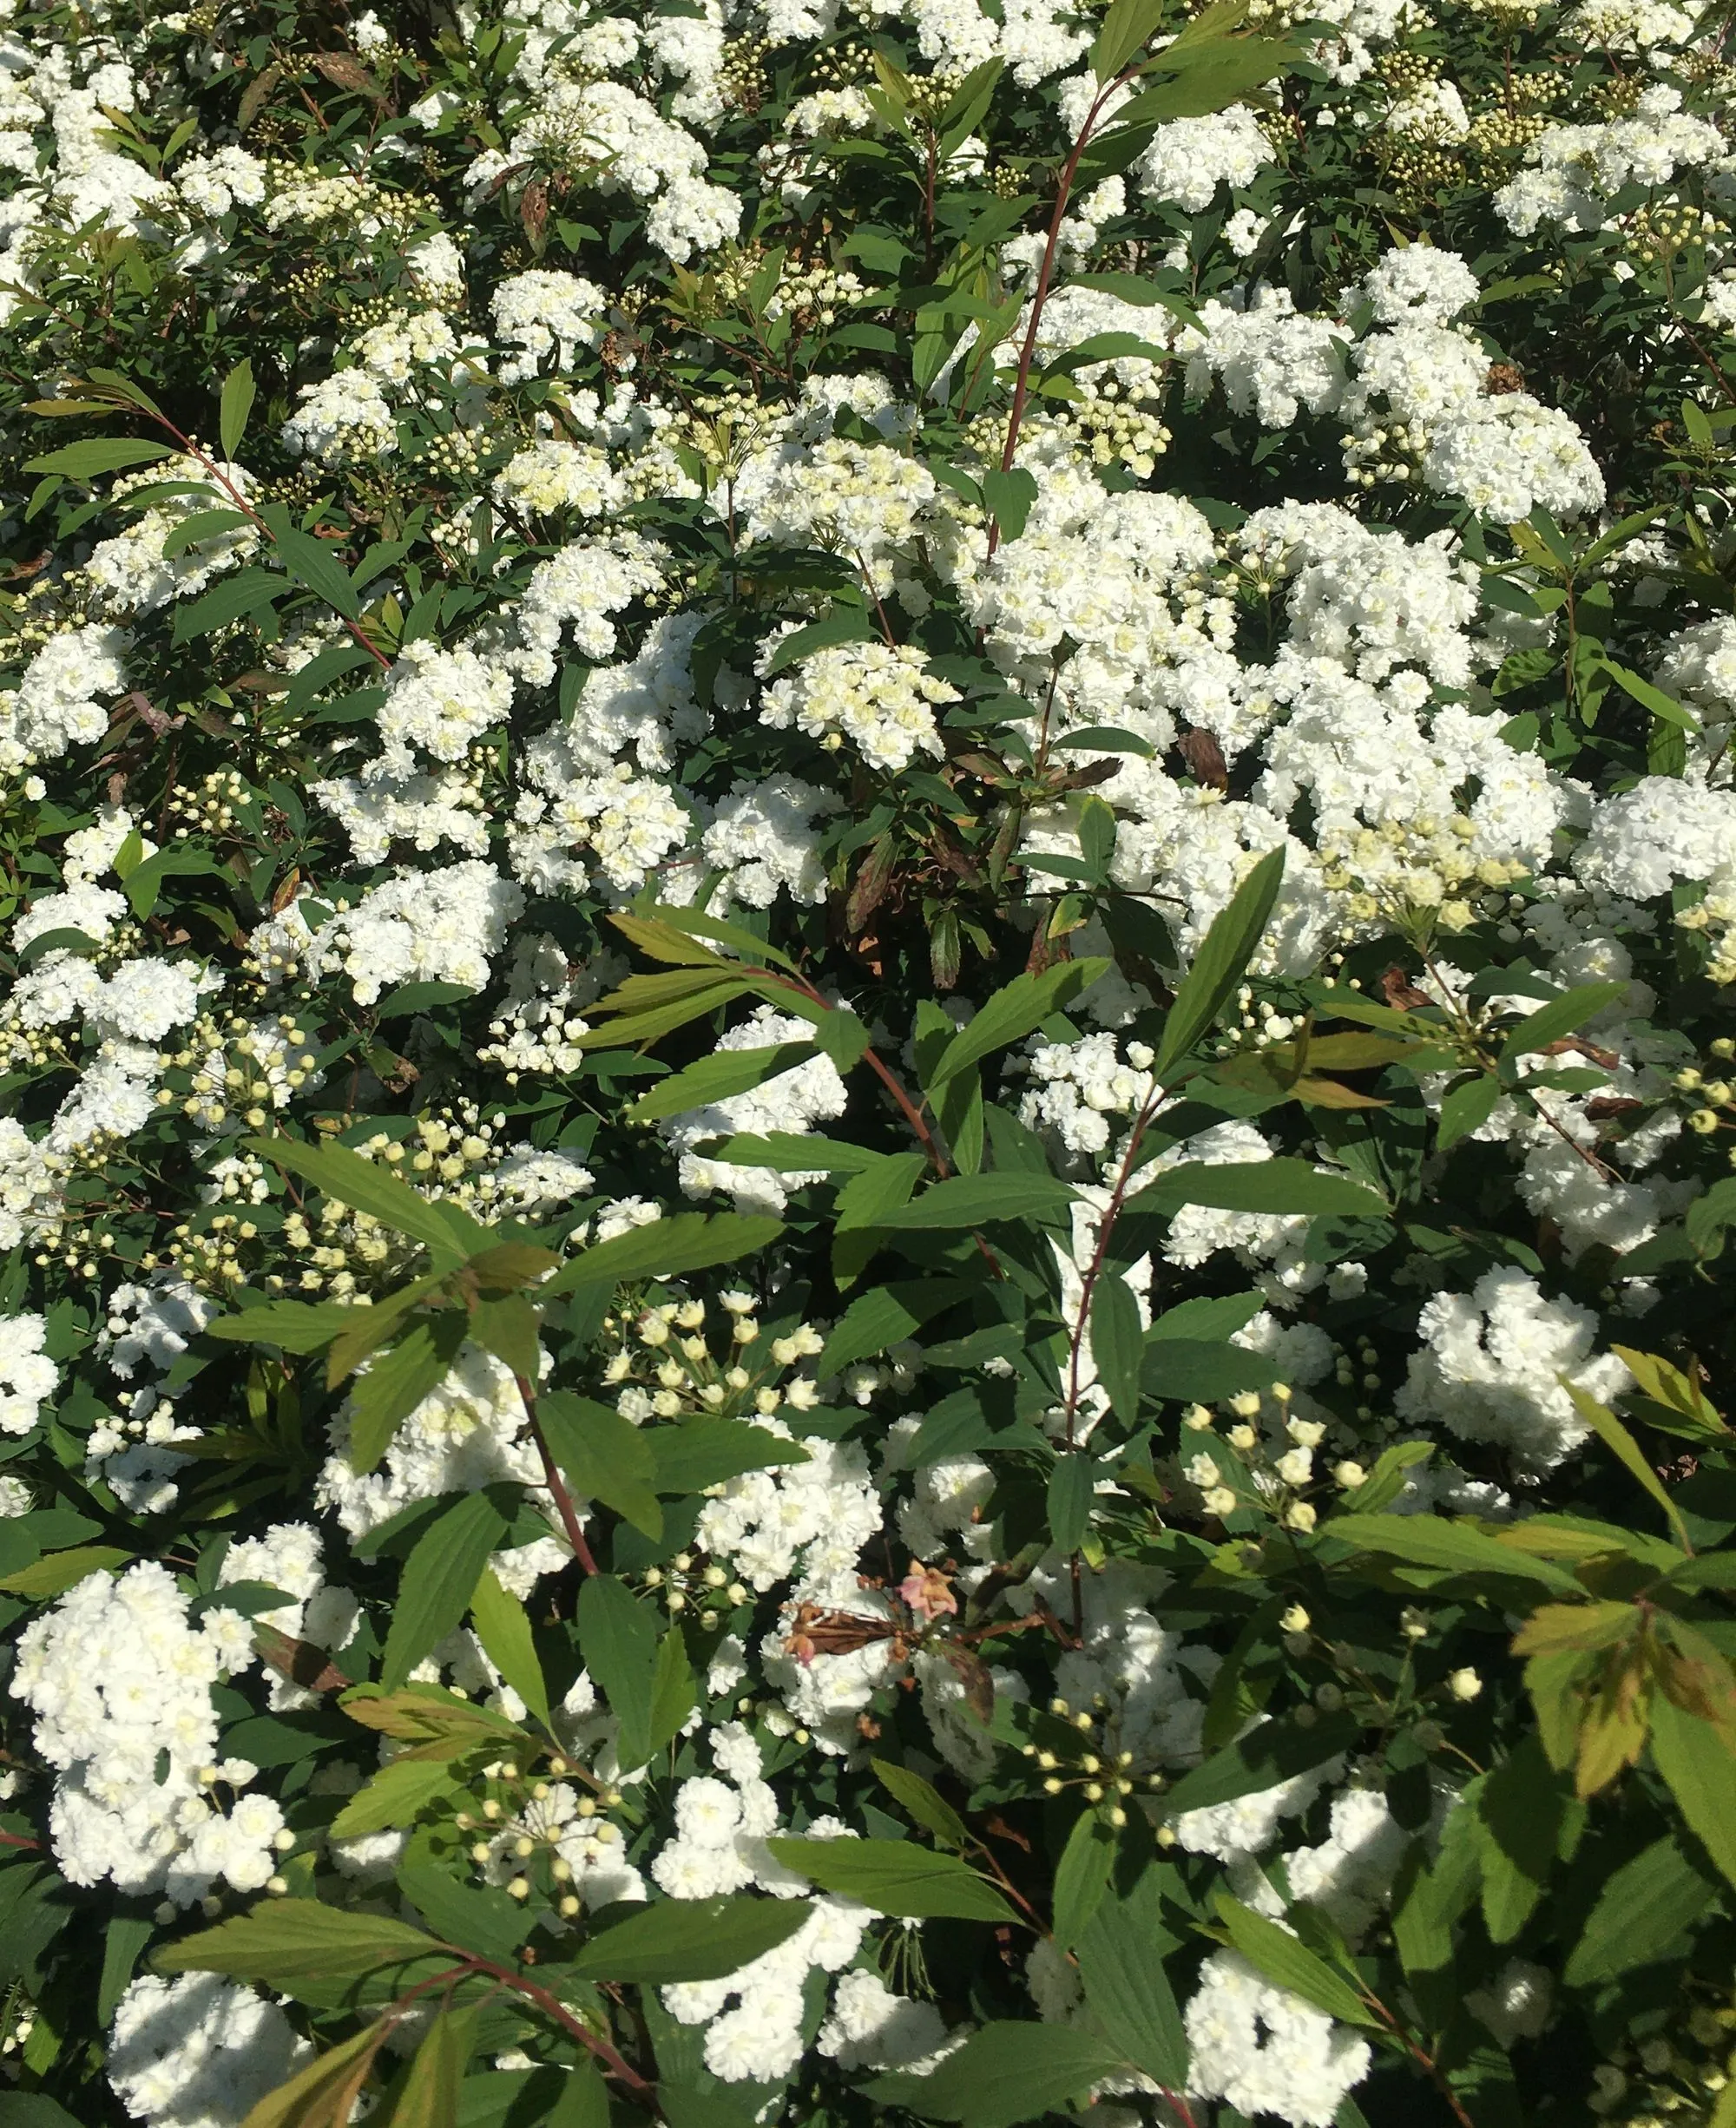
x: 922, y: 1802
x: 1013, y: 1012
x: 896, y: 1876
x: 504, y: 1628
x: 395, y: 1795
x: 1082, y: 1876
x: 234, y: 407
x: 281, y: 1941
x: 716, y: 1078
x: 448, y: 1233
x: 1219, y: 966
x: 96, y: 454
x: 1695, y: 1759
x: 1452, y: 1547
x: 1273, y: 1952
x: 665, y: 1249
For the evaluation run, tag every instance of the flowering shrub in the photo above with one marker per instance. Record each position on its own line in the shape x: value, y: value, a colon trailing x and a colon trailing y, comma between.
x: 869, y: 925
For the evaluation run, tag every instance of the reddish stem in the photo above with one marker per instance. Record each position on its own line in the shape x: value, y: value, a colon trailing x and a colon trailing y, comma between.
x: 1045, y: 275
x: 556, y: 1483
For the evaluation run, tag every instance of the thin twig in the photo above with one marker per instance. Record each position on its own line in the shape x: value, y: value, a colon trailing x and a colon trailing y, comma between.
x: 556, y: 1483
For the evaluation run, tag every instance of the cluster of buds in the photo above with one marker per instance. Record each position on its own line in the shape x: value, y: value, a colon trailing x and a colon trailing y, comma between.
x: 1077, y: 1748
x: 665, y: 1363
x: 1713, y: 1094
x: 688, y: 1584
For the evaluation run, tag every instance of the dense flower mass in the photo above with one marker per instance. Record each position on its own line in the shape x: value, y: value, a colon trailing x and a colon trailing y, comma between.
x: 868, y: 1019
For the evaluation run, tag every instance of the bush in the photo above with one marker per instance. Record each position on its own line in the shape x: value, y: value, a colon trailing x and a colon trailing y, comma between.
x: 871, y: 884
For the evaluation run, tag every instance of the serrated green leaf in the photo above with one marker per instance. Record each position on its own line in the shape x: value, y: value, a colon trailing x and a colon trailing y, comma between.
x: 1223, y: 957
x: 504, y: 1631
x: 683, y: 1940
x: 235, y: 406
x: 922, y: 1802
x: 439, y: 1579
x: 896, y: 1876
x: 604, y: 1456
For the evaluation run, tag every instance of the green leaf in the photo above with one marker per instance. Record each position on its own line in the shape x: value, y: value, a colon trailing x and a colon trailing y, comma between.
x: 922, y: 1802
x: 61, y: 1571
x: 1082, y: 1876
x: 1128, y: 26
x: 281, y: 1941
x: 1013, y: 1012
x: 1694, y: 1757
x: 851, y: 624
x: 885, y: 1317
x: 234, y: 407
x: 976, y: 1200
x: 1642, y: 1913
x: 897, y: 1877
x: 398, y: 1380
x: 249, y: 592
x: 665, y: 1249
x: 1003, y: 2074
x: 312, y: 562
x: 1561, y: 1016
x: 1289, y: 1964
x: 439, y: 1577
x: 204, y: 524
x: 716, y: 1078
x: 1649, y: 697
x: 583, y: 2101
x: 1452, y: 1547
x: 867, y: 1201
x: 446, y: 1232
x: 705, y: 1451
x: 472, y: 1917
x: 673, y: 1698
x: 618, y: 1640
x: 125, y: 1936
x: 1273, y: 1751
x: 688, y: 1940
x: 395, y: 1795
x: 1117, y: 1344
x: 1221, y: 961
x: 1280, y: 1186
x: 506, y: 1325
x: 1070, y: 1487
x: 504, y: 1631
x: 690, y: 922
x: 428, y: 2097
x: 1622, y: 1444
x: 604, y: 1456
x: 1121, y: 1953
x: 323, y: 2094
x: 1010, y: 496
x: 1467, y: 1107
x: 290, y: 1325
x: 1188, y: 1371
x: 97, y: 453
